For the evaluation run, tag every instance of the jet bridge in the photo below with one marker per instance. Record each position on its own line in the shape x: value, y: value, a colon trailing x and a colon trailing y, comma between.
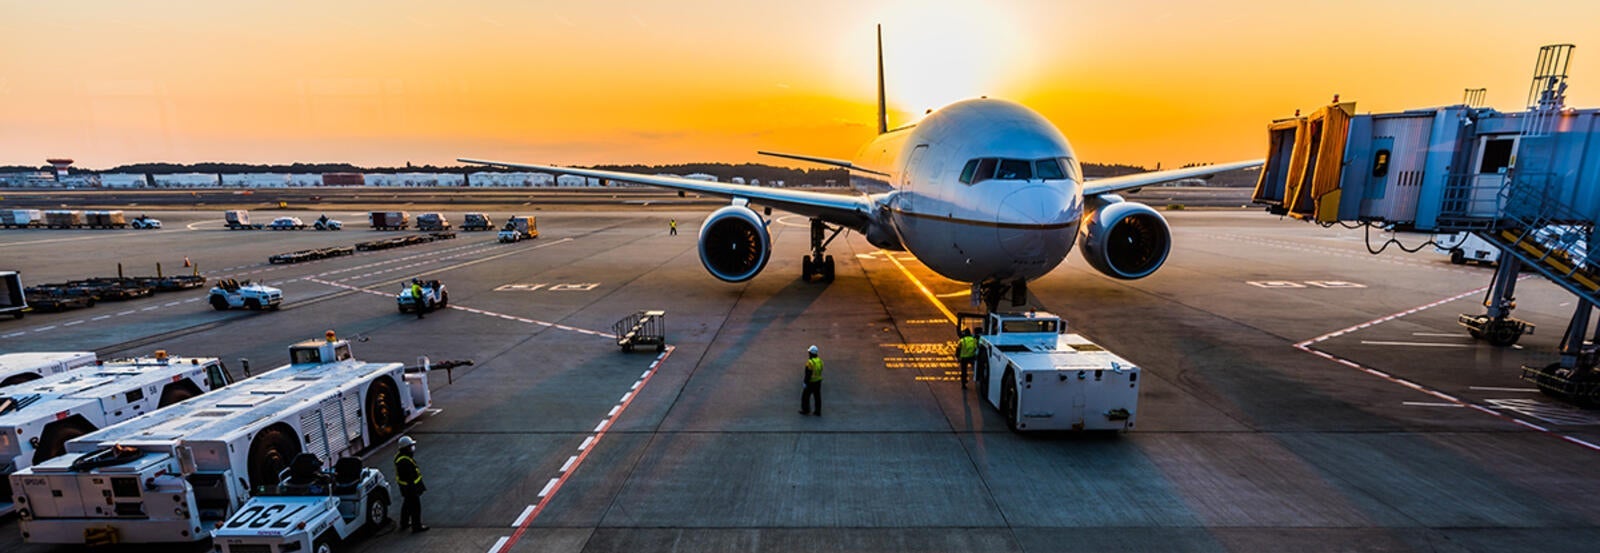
x: 1527, y: 182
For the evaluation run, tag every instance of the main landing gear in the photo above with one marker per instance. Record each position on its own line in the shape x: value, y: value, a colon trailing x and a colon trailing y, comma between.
x: 993, y: 292
x: 818, y: 264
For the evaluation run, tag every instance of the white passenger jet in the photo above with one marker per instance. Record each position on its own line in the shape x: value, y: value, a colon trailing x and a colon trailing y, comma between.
x: 982, y: 191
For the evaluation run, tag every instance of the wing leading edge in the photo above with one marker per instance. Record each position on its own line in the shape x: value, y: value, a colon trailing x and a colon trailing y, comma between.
x: 852, y: 210
x: 1126, y: 182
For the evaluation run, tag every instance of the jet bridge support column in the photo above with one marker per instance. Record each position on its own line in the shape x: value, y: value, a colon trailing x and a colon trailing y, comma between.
x: 1496, y: 325
x: 1574, y: 378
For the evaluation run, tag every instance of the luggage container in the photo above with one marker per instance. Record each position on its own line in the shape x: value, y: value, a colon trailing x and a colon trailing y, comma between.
x: 432, y: 221
x: 63, y: 218
x: 389, y: 220
x: 476, y: 221
x: 106, y: 219
x: 21, y: 218
x: 13, y: 299
x: 239, y: 219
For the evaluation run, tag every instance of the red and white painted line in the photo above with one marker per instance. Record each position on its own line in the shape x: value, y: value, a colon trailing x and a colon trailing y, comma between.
x: 1306, y: 346
x: 531, y: 513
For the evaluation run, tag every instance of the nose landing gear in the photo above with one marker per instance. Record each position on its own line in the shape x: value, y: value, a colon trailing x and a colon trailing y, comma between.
x: 819, y: 264
x: 991, y: 293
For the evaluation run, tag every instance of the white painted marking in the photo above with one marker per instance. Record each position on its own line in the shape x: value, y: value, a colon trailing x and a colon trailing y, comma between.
x: 1500, y: 389
x: 77, y: 322
x: 548, y: 486
x: 602, y: 425
x: 1431, y: 404
x: 100, y: 318
x: 171, y: 303
x: 1335, y: 284
x: 614, y: 409
x: 1550, y: 413
x: 1441, y: 334
x: 151, y: 308
x: 128, y: 312
x: 636, y: 384
x: 568, y: 464
x: 645, y: 374
x: 585, y: 444
x: 626, y: 397
x: 499, y: 544
x: 1274, y: 284
x: 523, y: 517
x: 44, y: 328
x: 1416, y: 344
x: 14, y: 334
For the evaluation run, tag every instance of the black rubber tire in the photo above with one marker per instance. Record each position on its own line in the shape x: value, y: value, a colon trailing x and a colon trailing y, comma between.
x: 322, y: 545
x: 16, y: 315
x: 661, y: 347
x: 444, y: 299
x: 385, y: 418
x: 1008, y: 400
x: 1544, y: 383
x: 1502, y: 334
x: 176, y: 392
x: 377, y: 508
x: 827, y: 269
x: 53, y: 441
x: 806, y: 269
x: 270, y: 452
x: 252, y: 304
x: 20, y: 378
x: 1457, y: 257
x: 980, y: 371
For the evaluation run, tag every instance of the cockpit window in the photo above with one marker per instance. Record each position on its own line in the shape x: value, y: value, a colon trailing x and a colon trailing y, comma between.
x: 1014, y: 169
x: 1048, y: 169
x: 984, y: 171
x: 966, y: 172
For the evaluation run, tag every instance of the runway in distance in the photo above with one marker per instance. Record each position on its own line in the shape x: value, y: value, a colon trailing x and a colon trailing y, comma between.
x: 982, y: 191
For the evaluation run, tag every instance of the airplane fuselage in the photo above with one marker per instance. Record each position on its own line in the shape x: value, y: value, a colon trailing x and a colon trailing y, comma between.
x: 979, y: 191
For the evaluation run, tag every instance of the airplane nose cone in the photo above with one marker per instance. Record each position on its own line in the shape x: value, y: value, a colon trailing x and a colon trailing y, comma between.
x: 1036, y: 222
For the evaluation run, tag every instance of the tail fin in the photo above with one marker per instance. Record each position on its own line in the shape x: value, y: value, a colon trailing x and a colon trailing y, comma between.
x: 883, y: 106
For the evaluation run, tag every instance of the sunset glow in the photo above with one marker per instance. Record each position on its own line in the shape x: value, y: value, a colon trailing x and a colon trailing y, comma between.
x: 384, y: 83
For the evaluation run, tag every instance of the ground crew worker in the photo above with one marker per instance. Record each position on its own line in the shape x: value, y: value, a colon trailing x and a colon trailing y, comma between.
x: 813, y: 388
x: 416, y: 296
x: 409, y: 476
x: 966, y: 353
x: 673, y: 227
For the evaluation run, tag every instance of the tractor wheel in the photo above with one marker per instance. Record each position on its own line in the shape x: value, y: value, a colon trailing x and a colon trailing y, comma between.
x: 1008, y: 400
x: 53, y: 441
x: 444, y: 300
x: 176, y: 392
x: 19, y: 378
x: 1457, y: 257
x: 253, y: 304
x: 270, y: 453
x: 385, y: 418
x: 377, y: 508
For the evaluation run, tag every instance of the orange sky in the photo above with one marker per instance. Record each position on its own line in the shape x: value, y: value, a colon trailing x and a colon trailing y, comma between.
x: 383, y: 83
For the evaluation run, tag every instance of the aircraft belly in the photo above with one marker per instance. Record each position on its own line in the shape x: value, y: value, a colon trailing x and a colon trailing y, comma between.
x: 975, y: 252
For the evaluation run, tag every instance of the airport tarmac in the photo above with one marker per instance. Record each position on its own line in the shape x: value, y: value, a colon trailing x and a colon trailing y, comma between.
x: 1300, y: 394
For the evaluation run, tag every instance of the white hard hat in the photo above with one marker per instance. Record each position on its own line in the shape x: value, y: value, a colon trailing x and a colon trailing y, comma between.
x: 813, y: 350
x: 406, y: 441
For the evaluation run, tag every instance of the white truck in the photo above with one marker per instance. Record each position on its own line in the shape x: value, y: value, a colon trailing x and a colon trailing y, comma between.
x: 434, y: 297
x: 1465, y: 246
x: 310, y: 509
x: 1041, y: 377
x: 232, y: 294
x: 16, y: 368
x: 519, y: 228
x: 173, y: 475
x: 37, y: 418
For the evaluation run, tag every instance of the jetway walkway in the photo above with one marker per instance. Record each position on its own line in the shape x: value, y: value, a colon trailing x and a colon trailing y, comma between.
x: 1527, y: 182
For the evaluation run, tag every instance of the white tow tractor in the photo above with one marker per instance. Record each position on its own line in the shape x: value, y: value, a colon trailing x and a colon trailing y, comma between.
x: 310, y: 509
x: 324, y: 223
x: 232, y: 294
x: 145, y: 223
x: 1041, y: 377
x: 434, y: 297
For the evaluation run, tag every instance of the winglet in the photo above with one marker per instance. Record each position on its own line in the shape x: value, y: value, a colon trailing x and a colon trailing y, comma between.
x: 883, y: 104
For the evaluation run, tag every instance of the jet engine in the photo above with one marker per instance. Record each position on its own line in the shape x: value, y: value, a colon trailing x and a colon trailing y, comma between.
x: 734, y: 244
x: 1126, y: 240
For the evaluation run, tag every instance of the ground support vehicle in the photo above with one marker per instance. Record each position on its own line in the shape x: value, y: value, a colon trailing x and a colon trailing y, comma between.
x: 21, y: 218
x: 13, y: 297
x: 233, y: 294
x: 311, y: 255
x: 519, y: 228
x: 401, y: 241
x: 145, y: 223
x: 113, y: 288
x: 324, y: 223
x: 16, y: 368
x: 173, y: 475
x: 286, y: 223
x: 432, y: 221
x: 309, y: 509
x: 64, y: 218
x: 1042, y: 378
x: 105, y: 219
x: 1464, y: 246
x: 389, y: 220
x: 56, y: 299
x: 38, y: 418
x: 476, y: 221
x: 434, y: 297
x: 643, y: 328
x: 239, y: 219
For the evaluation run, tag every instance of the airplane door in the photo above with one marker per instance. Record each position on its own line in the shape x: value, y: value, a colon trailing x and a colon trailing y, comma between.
x: 913, y: 162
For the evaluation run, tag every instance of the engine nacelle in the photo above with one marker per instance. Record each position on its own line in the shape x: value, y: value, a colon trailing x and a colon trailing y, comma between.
x: 734, y: 244
x: 1126, y: 240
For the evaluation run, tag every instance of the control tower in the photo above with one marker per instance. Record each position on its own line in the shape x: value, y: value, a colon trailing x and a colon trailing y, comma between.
x: 61, y: 164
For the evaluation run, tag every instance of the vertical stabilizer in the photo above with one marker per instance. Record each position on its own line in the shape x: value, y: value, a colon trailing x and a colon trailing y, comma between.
x: 883, y: 105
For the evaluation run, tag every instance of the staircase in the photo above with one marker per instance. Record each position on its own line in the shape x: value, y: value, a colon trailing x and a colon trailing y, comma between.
x: 1545, y: 234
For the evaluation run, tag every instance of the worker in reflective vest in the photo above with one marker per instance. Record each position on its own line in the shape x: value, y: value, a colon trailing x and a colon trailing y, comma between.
x: 813, y: 385
x: 966, y: 353
x: 409, y: 476
x: 416, y: 296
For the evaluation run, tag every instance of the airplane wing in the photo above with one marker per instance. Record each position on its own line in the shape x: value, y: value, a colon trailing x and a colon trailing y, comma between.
x: 1125, y: 182
x: 854, y: 211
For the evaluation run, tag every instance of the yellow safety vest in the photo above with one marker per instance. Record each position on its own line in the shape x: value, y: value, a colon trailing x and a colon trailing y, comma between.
x: 814, y: 369
x: 414, y: 466
x: 967, y: 347
x: 416, y: 292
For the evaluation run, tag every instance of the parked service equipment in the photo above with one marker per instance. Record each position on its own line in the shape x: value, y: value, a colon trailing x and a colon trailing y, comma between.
x: 310, y: 508
x: 105, y: 219
x: 643, y: 328
x: 144, y: 222
x: 21, y: 218
x: 311, y: 255
x: 172, y: 475
x: 16, y: 368
x: 64, y: 218
x: 13, y: 298
x: 476, y: 221
x: 286, y: 223
x: 1465, y: 246
x: 1042, y: 378
x: 51, y: 299
x: 38, y: 418
x: 389, y: 220
x: 232, y: 294
x: 324, y: 223
x: 432, y: 221
x: 519, y: 228
x: 434, y: 297
x: 239, y: 219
